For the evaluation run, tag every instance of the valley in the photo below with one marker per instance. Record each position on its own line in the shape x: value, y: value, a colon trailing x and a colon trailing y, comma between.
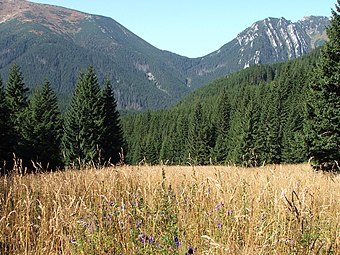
x: 55, y: 43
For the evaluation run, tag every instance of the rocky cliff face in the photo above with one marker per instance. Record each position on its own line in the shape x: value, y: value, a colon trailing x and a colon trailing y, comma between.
x: 284, y: 38
x: 267, y: 41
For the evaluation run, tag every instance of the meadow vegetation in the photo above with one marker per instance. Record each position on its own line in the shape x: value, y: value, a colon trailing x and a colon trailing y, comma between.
x: 273, y: 209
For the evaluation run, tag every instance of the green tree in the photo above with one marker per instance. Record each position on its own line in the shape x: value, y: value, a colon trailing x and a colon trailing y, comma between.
x: 223, y: 126
x: 6, y: 134
x: 112, y: 137
x: 83, y: 124
x: 270, y: 128
x: 17, y: 102
x: 323, y: 103
x: 42, y: 131
x: 198, y: 147
x: 242, y: 132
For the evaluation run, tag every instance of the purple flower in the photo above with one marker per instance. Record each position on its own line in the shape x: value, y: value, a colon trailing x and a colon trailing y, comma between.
x: 142, y: 238
x: 219, y: 225
x: 190, y: 251
x: 177, y: 242
x: 151, y: 240
x: 139, y: 223
x: 217, y: 207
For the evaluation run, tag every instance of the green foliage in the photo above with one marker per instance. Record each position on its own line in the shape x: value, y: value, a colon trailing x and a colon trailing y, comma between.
x: 249, y: 118
x: 17, y: 102
x: 92, y: 131
x: 323, y: 105
x: 222, y: 127
x: 16, y: 92
x: 112, y: 143
x: 6, y: 133
x: 198, y: 145
x: 83, y: 125
x: 43, y: 129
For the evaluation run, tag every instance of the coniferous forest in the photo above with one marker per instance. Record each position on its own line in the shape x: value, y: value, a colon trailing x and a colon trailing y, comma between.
x: 36, y: 135
x: 265, y: 114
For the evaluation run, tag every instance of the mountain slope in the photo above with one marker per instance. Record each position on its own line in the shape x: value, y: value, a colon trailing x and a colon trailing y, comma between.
x: 267, y: 41
x: 57, y: 43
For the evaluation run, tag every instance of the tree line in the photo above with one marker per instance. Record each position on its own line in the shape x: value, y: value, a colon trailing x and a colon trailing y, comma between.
x: 38, y: 136
x: 267, y: 114
x: 283, y: 113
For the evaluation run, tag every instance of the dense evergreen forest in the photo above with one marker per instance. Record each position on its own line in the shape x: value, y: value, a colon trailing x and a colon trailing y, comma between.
x: 38, y: 137
x: 265, y: 114
x: 250, y: 118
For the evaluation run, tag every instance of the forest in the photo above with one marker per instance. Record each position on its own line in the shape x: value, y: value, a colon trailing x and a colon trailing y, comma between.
x: 265, y: 114
x: 40, y: 138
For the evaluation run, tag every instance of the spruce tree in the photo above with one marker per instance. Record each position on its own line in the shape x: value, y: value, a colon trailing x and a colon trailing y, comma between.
x: 83, y: 124
x: 322, y: 124
x: 17, y: 102
x: 112, y: 137
x: 198, y: 147
x: 242, y: 129
x: 223, y: 125
x: 42, y: 131
x: 6, y: 134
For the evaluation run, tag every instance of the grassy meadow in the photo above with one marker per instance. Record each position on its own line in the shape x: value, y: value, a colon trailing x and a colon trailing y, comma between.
x: 171, y: 210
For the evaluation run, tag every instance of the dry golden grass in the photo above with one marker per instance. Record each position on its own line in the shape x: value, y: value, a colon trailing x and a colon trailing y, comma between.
x: 164, y: 210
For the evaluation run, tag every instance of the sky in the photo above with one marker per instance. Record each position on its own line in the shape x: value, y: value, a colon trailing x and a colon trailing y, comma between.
x: 194, y: 28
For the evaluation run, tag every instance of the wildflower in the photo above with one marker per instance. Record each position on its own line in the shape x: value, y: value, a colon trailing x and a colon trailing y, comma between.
x: 151, y: 240
x: 139, y: 223
x: 177, y: 242
x: 142, y: 238
x: 219, y: 225
x: 217, y: 207
x: 73, y: 241
x: 190, y: 251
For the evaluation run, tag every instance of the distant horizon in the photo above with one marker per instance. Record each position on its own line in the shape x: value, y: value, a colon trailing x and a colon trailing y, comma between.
x: 194, y: 29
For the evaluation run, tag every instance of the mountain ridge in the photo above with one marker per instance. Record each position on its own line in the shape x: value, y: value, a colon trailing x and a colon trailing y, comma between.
x: 57, y: 43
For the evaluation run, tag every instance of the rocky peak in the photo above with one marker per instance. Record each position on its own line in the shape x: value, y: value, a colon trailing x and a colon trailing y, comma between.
x: 287, y: 39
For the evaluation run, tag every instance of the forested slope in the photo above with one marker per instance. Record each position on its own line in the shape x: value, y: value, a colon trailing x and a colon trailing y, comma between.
x: 248, y: 118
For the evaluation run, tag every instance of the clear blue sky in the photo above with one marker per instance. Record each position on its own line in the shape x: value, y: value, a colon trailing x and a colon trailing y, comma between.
x: 194, y: 28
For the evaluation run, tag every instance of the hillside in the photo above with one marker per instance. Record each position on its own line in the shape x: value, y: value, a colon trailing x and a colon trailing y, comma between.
x: 57, y: 43
x: 251, y: 117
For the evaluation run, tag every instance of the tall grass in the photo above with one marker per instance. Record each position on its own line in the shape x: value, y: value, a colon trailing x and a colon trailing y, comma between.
x: 171, y: 210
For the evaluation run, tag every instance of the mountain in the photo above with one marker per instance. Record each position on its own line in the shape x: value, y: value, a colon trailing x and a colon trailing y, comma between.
x: 267, y: 41
x: 57, y: 43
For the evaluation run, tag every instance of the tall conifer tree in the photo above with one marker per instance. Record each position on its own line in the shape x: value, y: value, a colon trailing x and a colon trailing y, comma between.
x: 198, y: 147
x: 17, y: 102
x: 322, y: 126
x: 223, y: 125
x: 43, y: 129
x: 112, y: 138
x: 6, y: 134
x: 83, y: 124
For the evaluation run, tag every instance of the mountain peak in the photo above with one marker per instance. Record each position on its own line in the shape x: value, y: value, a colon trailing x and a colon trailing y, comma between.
x: 56, y: 18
